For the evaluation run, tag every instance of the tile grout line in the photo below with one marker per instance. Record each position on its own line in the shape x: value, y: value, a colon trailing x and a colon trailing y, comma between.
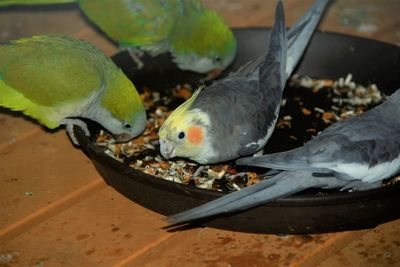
x: 50, y: 210
x: 334, y: 244
x: 138, y: 253
x: 20, y: 138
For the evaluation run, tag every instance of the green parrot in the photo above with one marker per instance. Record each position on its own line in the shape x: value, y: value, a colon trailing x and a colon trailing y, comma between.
x: 57, y: 80
x: 196, y: 37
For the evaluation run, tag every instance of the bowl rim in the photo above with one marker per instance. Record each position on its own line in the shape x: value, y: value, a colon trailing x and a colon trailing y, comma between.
x: 97, y: 153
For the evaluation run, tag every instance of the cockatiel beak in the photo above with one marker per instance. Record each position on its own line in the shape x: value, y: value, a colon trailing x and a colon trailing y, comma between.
x: 167, y: 149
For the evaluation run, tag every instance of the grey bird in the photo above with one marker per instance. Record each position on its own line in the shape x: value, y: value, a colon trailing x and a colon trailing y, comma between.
x: 235, y: 116
x: 356, y: 154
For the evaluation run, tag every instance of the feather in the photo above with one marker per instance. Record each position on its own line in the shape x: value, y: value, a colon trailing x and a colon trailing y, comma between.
x: 283, y: 184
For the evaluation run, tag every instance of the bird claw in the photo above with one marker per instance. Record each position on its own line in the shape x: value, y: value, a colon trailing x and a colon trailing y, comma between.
x: 69, y: 126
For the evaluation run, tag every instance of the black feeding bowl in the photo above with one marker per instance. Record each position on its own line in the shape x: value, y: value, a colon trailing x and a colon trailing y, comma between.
x: 328, y: 56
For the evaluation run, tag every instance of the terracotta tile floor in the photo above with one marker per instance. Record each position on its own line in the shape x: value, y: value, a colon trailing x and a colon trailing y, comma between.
x: 55, y: 210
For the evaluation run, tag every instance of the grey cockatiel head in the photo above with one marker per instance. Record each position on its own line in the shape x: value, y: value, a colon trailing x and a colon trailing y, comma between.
x: 235, y: 116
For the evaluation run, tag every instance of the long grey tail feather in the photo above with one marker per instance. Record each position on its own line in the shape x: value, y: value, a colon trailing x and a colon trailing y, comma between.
x: 298, y: 37
x: 275, y: 32
x: 300, y: 34
x: 318, y: 7
x: 281, y: 185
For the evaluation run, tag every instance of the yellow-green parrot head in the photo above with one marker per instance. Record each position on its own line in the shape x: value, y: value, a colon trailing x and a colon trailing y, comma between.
x: 186, y: 134
x: 202, y: 42
x: 124, y: 129
x: 121, y: 110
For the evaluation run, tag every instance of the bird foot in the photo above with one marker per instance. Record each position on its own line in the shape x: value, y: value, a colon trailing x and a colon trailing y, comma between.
x: 69, y: 126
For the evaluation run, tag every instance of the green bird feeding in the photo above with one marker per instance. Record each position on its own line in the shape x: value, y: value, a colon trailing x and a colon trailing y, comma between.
x: 58, y: 79
x: 197, y: 38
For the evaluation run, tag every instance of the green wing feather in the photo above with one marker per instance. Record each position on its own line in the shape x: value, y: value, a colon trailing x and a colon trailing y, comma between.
x: 131, y: 23
x: 138, y: 23
x: 201, y: 31
x: 33, y: 2
x: 16, y: 101
x: 43, y: 73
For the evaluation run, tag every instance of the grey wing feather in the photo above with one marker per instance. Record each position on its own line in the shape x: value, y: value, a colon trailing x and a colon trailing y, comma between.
x: 277, y: 34
x: 281, y: 185
x: 271, y: 80
x: 370, y: 138
x: 288, y: 161
x: 272, y: 70
x: 255, y: 97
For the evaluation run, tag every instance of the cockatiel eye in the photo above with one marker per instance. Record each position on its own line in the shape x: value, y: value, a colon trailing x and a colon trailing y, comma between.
x: 181, y: 135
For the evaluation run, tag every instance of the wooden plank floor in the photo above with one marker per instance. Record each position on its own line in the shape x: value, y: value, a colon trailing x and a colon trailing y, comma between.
x: 55, y: 210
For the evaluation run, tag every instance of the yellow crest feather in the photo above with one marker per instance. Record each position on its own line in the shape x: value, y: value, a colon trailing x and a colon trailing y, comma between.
x: 186, y: 105
x: 176, y: 118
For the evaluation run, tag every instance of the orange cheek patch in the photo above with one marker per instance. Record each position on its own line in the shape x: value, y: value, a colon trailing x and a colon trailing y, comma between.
x: 195, y: 135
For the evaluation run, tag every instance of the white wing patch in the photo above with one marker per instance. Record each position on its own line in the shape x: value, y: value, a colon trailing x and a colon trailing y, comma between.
x: 363, y: 173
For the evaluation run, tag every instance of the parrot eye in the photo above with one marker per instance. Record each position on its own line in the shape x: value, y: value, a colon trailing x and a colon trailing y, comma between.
x: 181, y: 135
x: 127, y: 125
x: 217, y: 59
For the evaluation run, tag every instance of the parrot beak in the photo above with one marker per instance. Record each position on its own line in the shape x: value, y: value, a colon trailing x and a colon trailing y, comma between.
x: 167, y: 149
x: 125, y: 137
x: 214, y: 73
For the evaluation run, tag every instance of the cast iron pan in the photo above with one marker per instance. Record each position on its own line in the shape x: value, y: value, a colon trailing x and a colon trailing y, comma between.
x: 328, y: 56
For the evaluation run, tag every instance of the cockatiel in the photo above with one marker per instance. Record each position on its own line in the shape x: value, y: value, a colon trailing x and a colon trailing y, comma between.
x: 235, y: 116
x: 57, y: 79
x: 196, y: 37
x: 357, y: 153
